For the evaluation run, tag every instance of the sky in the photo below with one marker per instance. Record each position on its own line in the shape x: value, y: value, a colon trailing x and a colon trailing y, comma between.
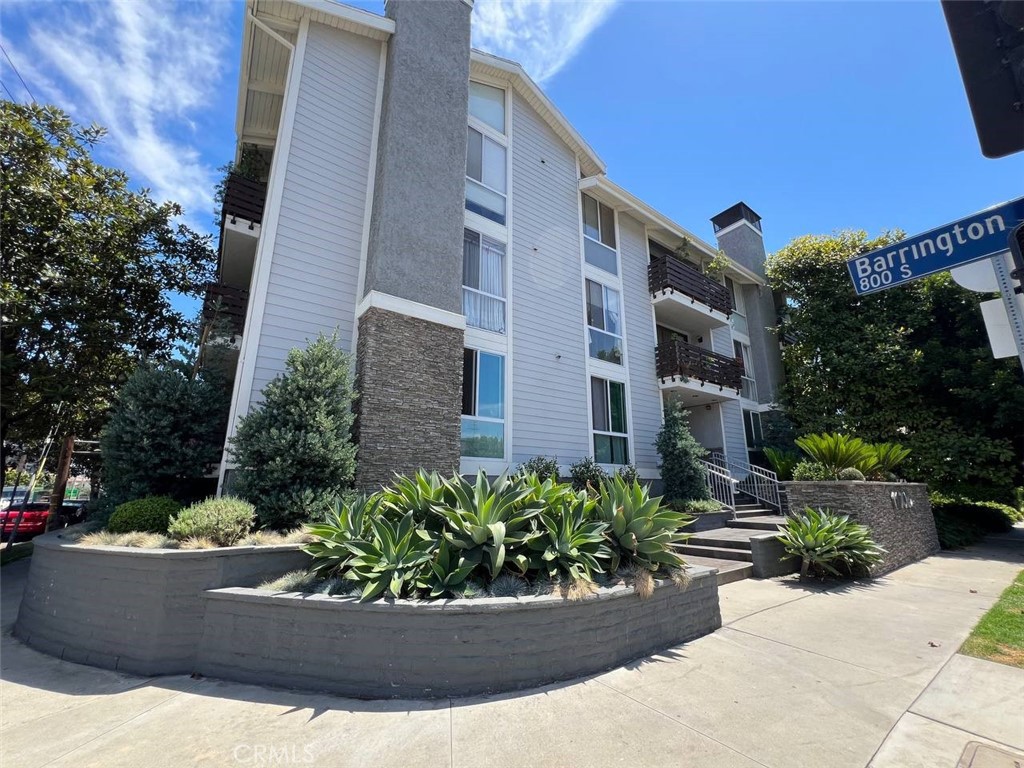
x: 819, y: 115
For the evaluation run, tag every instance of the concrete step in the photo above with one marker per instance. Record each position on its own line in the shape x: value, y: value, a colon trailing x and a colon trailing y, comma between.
x: 728, y: 570
x: 749, y: 504
x: 757, y: 512
x: 708, y: 539
x: 762, y: 523
x: 719, y: 553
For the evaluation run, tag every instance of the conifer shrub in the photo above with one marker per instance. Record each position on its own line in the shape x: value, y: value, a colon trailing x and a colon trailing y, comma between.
x: 294, y: 450
x: 683, y: 474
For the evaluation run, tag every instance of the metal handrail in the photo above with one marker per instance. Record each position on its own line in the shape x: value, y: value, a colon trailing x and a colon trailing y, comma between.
x: 761, y: 483
x: 721, y: 484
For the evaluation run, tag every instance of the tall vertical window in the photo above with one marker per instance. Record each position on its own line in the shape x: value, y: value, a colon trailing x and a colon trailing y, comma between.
x: 748, y: 388
x: 487, y: 104
x: 605, y: 328
x: 738, y: 318
x: 752, y: 428
x: 485, y: 177
x: 608, y: 410
x: 483, y: 405
x: 483, y: 282
x: 599, y: 234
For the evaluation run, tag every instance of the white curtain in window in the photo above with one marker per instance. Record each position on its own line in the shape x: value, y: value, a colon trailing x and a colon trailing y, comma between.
x: 488, y: 312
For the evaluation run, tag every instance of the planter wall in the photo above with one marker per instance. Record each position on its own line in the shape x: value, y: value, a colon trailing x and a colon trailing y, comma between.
x: 130, y: 609
x: 898, y: 514
x: 152, y: 612
x: 407, y: 649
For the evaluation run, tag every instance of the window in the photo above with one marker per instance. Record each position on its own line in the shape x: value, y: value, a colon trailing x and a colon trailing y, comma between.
x: 603, y: 320
x: 748, y: 388
x: 485, y: 177
x: 738, y: 316
x: 599, y: 229
x: 487, y: 104
x: 483, y: 405
x: 483, y: 282
x: 752, y: 428
x: 608, y: 408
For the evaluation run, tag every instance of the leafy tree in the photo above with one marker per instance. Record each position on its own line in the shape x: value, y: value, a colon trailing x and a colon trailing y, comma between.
x: 684, y: 476
x: 910, y: 365
x: 88, y: 268
x: 165, y: 432
x: 294, y: 450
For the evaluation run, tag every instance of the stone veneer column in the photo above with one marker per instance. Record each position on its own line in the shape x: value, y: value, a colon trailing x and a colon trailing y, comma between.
x: 410, y: 324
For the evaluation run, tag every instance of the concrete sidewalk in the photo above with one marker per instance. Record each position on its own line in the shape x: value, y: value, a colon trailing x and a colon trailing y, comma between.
x: 800, y: 675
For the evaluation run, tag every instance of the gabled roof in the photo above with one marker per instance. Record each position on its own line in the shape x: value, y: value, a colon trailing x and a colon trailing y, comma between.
x: 513, y: 73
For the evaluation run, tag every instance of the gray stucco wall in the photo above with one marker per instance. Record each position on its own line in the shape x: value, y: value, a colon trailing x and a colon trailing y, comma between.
x: 764, y: 345
x: 903, y: 524
x: 133, y: 610
x: 415, y: 246
x: 744, y: 246
x: 405, y: 649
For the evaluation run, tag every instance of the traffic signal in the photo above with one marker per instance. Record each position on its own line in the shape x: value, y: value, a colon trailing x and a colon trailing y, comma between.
x: 988, y: 38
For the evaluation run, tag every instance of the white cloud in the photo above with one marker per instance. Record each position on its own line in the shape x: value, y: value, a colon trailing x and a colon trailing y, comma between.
x: 143, y: 70
x: 542, y: 35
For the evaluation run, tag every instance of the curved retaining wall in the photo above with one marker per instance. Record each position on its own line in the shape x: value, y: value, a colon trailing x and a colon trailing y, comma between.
x: 898, y: 514
x: 130, y: 609
x: 410, y: 649
x: 154, y: 612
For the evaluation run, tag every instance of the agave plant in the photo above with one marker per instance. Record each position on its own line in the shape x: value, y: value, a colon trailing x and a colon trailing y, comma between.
x: 490, y: 522
x: 783, y: 462
x: 830, y: 543
x: 640, y: 530
x: 448, y: 571
x: 417, y: 493
x: 571, y: 542
x: 392, y: 559
x: 348, y: 521
x: 836, y: 452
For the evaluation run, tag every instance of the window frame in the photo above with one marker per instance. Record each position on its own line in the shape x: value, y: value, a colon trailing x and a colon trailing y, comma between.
x: 594, y: 431
x: 503, y: 421
x: 489, y: 133
x: 504, y: 278
x: 604, y: 310
x: 614, y: 249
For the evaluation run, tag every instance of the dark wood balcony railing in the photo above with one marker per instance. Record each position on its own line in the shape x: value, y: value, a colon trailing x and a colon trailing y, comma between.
x: 224, y: 306
x: 677, y: 358
x: 668, y: 273
x: 244, y: 199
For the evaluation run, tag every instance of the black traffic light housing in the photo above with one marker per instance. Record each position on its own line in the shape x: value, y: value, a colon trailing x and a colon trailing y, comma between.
x: 988, y: 37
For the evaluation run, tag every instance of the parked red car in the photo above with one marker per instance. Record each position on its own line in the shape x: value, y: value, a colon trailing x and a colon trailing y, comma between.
x: 34, y: 520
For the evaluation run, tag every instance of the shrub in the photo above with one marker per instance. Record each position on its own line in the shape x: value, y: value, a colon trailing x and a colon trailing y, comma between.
x: 165, y: 432
x: 850, y: 473
x: 224, y: 521
x: 587, y: 474
x: 698, y: 507
x: 828, y: 543
x: 682, y: 472
x: 150, y: 515
x: 954, y: 531
x: 294, y: 450
x: 810, y: 471
x: 961, y: 522
x: 782, y: 462
x: 836, y: 451
x: 640, y: 530
x: 541, y: 466
x: 629, y: 474
x: 98, y: 510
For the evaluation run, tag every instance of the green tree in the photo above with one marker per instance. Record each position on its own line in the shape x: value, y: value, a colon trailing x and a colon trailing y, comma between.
x: 88, y: 269
x: 910, y: 365
x: 294, y: 450
x: 684, y: 476
x: 165, y: 432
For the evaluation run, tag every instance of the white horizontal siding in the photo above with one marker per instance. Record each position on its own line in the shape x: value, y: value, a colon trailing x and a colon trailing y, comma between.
x: 315, y: 262
x: 732, y: 429
x: 644, y: 394
x: 549, y: 380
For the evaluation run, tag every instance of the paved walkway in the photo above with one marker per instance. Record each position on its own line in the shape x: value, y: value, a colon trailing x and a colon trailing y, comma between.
x: 798, y: 676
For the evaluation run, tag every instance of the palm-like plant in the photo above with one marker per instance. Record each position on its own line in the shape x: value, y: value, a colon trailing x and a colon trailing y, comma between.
x: 640, y: 530
x: 887, y: 456
x: 783, y: 462
x: 489, y: 522
x: 392, y: 559
x: 830, y: 543
x: 836, y: 452
x: 571, y: 542
x: 348, y: 521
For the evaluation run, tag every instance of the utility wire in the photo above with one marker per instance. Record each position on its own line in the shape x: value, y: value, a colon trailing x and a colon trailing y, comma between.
x: 8, y: 90
x: 8, y: 56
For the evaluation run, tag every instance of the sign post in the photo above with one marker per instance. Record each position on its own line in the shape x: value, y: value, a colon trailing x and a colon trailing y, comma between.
x: 983, y: 235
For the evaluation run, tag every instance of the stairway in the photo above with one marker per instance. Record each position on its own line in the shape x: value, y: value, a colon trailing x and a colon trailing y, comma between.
x: 728, y: 549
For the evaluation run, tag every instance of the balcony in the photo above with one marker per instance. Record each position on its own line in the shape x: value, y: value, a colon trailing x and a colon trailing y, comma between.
x: 684, y: 297
x: 244, y: 199
x: 704, y: 375
x: 224, y: 309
